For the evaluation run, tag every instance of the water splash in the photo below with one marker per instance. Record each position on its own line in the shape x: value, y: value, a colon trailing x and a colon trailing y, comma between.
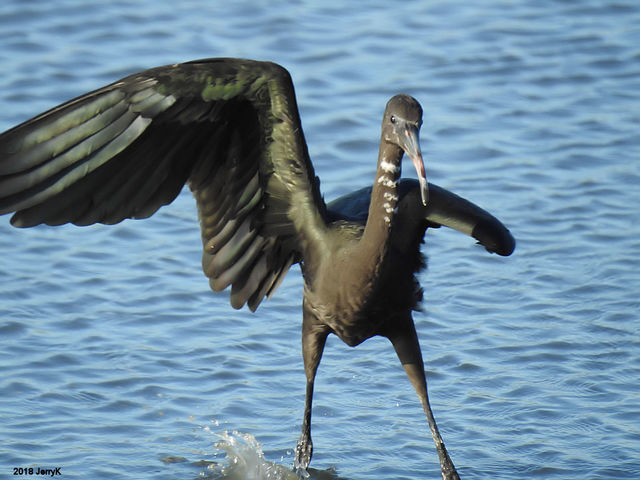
x: 245, y: 459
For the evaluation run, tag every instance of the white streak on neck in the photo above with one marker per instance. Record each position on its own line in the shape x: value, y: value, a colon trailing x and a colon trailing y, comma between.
x: 391, y: 197
x: 389, y: 167
x: 387, y: 182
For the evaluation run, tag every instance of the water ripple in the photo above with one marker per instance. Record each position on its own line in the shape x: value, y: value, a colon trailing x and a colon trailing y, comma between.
x: 115, y: 356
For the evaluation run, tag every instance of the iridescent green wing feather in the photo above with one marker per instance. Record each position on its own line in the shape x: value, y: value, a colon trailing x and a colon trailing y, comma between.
x: 228, y: 128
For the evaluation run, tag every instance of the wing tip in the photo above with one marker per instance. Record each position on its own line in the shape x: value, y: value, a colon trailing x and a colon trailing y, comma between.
x: 495, y: 237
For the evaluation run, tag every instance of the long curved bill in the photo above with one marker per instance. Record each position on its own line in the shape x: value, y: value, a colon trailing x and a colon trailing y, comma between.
x: 412, y: 149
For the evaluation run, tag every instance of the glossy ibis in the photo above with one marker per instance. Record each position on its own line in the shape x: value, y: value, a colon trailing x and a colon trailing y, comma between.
x: 230, y: 130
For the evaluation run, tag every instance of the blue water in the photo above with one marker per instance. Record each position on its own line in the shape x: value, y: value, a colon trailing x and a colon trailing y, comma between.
x: 117, y: 361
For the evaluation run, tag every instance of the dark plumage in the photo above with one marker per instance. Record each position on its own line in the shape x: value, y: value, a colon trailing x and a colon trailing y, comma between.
x: 230, y: 129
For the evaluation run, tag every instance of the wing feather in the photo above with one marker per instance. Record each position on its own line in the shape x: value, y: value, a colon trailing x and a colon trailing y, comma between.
x: 443, y: 209
x: 228, y: 128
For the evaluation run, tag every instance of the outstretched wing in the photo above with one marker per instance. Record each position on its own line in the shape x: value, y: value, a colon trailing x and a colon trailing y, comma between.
x: 229, y: 128
x: 443, y: 209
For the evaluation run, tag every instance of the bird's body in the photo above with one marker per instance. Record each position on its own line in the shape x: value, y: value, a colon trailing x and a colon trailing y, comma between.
x: 373, y: 291
x: 230, y: 130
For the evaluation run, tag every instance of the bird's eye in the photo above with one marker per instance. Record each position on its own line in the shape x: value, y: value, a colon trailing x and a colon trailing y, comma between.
x: 393, y: 119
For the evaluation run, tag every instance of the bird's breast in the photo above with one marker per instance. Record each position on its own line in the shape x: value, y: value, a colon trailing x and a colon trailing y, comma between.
x: 354, y: 294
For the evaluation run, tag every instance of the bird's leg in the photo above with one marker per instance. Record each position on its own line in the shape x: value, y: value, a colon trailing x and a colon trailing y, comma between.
x: 313, y: 340
x: 405, y: 343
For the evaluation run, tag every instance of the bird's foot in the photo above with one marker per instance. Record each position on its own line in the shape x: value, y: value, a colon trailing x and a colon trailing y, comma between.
x: 304, y: 450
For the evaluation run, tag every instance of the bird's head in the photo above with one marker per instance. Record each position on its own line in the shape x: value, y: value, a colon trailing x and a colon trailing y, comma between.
x: 401, y: 126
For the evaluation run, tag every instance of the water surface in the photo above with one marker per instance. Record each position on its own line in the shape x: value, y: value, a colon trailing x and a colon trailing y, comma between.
x: 117, y: 361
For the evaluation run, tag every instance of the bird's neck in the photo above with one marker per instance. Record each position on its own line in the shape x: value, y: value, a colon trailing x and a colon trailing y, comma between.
x: 384, y: 200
